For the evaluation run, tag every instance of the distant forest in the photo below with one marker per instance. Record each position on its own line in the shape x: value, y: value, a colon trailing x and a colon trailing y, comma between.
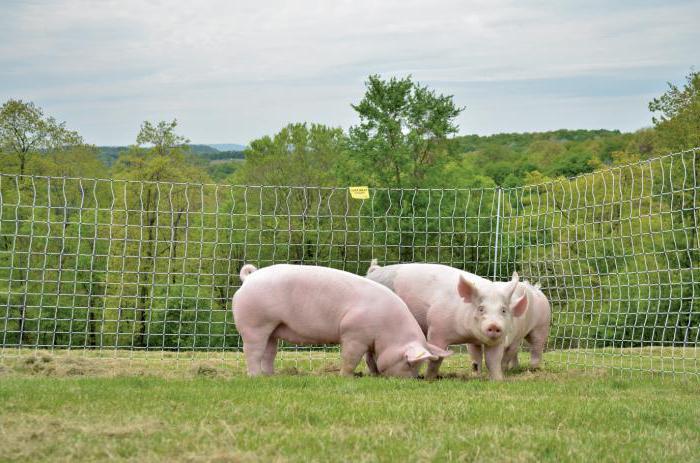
x: 214, y: 161
x: 511, y: 155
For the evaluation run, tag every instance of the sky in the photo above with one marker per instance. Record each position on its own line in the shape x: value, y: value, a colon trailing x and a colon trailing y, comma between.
x: 232, y: 71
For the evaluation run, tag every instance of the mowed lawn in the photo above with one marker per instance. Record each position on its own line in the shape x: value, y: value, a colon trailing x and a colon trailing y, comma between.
x: 55, y: 408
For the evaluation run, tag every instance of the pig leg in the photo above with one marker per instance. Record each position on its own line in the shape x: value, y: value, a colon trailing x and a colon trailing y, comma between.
x: 254, y: 350
x: 433, y: 368
x: 494, y: 356
x: 537, y: 339
x: 268, y: 359
x: 515, y: 363
x: 351, y: 353
x: 476, y: 352
x: 510, y: 356
x: 434, y: 365
x: 371, y: 363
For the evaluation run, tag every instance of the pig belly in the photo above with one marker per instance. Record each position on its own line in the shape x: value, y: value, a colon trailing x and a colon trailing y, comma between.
x: 297, y: 336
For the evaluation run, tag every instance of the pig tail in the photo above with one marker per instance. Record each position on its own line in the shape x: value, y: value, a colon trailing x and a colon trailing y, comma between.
x: 246, y: 270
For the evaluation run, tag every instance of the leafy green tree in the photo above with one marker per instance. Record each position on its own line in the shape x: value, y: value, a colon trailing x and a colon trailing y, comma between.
x: 24, y: 130
x: 677, y: 124
x: 403, y: 130
x: 302, y: 157
x: 79, y: 161
x: 498, y: 162
x: 644, y: 142
x: 156, y: 210
x: 677, y: 114
x: 298, y: 155
x: 161, y: 136
x: 222, y: 170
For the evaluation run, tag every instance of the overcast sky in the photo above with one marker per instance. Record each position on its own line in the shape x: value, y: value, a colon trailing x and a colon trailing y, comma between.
x: 231, y: 71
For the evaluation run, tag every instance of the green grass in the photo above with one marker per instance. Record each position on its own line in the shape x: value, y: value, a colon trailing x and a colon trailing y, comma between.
x: 61, y: 407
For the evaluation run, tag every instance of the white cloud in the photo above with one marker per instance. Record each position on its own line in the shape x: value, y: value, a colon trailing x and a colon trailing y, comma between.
x: 234, y: 70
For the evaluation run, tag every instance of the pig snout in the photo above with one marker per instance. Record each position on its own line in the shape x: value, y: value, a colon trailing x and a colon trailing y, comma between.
x: 493, y: 330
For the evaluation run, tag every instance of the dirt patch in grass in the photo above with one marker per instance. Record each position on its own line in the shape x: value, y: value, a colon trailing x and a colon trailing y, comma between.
x: 228, y: 365
x: 207, y: 370
x: 46, y: 364
x: 68, y: 365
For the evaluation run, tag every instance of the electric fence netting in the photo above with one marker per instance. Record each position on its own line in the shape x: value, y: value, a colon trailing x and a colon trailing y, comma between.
x: 124, y: 268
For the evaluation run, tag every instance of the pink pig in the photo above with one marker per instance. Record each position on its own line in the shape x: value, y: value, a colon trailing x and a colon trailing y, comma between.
x: 455, y: 307
x: 319, y: 305
x: 533, y: 326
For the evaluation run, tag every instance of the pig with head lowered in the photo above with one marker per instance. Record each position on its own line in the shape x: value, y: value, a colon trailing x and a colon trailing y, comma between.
x: 318, y: 305
x: 455, y: 307
x: 533, y: 326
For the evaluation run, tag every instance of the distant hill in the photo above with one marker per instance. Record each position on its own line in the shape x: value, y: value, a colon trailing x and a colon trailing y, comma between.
x: 219, y: 164
x: 222, y: 155
x: 203, y: 149
x: 520, y: 142
x: 109, y: 154
x: 227, y: 146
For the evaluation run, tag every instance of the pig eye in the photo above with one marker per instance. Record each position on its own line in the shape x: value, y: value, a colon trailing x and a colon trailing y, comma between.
x: 503, y: 310
x: 481, y: 309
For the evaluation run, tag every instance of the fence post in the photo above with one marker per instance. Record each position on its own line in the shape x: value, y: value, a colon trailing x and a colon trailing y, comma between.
x: 499, y: 192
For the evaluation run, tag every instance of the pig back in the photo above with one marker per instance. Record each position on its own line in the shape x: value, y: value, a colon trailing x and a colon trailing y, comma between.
x: 541, y: 309
x: 424, y: 288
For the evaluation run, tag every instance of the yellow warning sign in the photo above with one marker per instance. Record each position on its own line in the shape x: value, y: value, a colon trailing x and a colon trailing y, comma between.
x: 359, y: 192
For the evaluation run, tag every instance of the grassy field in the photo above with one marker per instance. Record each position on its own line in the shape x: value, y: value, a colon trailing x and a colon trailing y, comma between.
x: 59, y: 407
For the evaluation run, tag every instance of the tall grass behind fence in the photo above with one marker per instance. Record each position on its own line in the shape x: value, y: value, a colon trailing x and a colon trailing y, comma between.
x: 128, y: 266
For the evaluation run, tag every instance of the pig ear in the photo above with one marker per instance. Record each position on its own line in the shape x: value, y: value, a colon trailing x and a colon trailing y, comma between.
x: 441, y: 353
x: 520, y: 307
x: 416, y: 354
x: 466, y: 289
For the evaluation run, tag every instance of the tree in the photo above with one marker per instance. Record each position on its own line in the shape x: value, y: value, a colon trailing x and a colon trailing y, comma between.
x: 678, y: 128
x: 25, y: 130
x: 299, y: 155
x: 162, y: 136
x: 168, y: 191
x: 79, y: 161
x: 677, y: 114
x: 403, y: 130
